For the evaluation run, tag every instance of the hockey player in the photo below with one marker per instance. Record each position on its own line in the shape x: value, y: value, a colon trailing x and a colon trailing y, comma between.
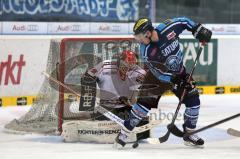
x: 161, y: 52
x: 117, y: 80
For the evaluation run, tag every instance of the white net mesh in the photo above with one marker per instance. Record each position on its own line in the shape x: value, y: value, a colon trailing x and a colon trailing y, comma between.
x: 42, y: 117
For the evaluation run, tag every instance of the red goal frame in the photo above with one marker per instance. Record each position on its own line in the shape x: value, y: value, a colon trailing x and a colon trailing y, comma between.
x: 61, y: 69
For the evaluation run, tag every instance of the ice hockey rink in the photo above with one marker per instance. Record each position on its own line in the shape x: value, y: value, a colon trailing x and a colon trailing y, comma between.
x: 218, y: 144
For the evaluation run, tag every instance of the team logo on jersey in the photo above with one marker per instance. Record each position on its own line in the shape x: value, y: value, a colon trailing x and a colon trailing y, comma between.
x: 173, y: 63
x: 171, y: 35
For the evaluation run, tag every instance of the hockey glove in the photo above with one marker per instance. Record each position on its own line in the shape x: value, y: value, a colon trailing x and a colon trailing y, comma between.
x: 182, y: 82
x: 201, y: 33
x: 124, y: 100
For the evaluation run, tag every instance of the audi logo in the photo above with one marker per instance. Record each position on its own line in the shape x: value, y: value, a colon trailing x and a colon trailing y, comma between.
x: 116, y: 28
x: 76, y: 28
x: 32, y: 27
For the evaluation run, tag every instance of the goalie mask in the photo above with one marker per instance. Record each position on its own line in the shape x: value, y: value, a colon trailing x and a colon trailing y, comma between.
x: 126, y: 61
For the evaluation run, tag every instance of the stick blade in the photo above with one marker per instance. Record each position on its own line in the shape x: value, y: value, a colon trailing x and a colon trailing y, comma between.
x: 233, y: 132
x: 175, y: 131
x: 165, y: 137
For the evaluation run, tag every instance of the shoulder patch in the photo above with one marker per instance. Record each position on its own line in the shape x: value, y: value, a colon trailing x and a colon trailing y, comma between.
x: 171, y: 35
x: 168, y: 21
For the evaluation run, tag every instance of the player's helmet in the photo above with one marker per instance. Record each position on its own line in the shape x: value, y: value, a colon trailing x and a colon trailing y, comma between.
x: 126, y: 61
x: 142, y: 25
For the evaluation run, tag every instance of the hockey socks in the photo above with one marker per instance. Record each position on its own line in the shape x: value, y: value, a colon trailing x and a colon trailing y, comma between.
x: 137, y: 113
x: 191, y: 112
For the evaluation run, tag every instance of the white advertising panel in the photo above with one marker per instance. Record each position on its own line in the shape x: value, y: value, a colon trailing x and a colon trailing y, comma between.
x: 24, y: 28
x: 0, y: 27
x: 79, y: 28
x: 109, y: 28
x: 21, y: 64
x: 228, y: 72
x: 224, y: 29
x: 68, y: 28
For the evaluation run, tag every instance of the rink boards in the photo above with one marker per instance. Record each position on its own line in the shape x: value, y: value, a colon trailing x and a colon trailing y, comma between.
x: 22, y: 64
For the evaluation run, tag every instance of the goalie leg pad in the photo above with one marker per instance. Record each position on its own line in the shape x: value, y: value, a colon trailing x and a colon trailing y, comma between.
x: 92, y: 131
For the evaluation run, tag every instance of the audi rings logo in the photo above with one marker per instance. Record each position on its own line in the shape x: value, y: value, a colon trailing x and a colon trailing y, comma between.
x: 73, y: 28
x: 76, y: 27
x: 116, y: 28
x: 32, y: 28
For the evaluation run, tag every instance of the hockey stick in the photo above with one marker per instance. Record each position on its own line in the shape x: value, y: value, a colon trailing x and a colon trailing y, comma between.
x: 104, y: 111
x: 172, y: 128
x: 233, y: 132
x: 60, y: 83
x: 213, y: 124
x: 120, y: 121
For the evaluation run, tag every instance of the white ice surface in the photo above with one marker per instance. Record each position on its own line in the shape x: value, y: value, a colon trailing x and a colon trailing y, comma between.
x: 218, y: 144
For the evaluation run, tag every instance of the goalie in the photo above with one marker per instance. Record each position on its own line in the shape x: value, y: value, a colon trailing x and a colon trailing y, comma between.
x: 118, y: 80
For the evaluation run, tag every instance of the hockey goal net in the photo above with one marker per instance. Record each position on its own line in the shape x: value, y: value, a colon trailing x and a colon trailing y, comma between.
x: 68, y: 59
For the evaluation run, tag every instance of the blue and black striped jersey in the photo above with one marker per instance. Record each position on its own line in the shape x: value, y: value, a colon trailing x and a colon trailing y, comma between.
x: 164, y: 57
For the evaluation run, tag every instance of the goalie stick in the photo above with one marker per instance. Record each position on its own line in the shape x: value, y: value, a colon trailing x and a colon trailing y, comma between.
x: 104, y: 111
x: 233, y: 132
x: 118, y: 120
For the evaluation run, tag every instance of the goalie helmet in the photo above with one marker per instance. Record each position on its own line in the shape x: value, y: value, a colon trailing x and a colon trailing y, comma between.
x: 126, y: 61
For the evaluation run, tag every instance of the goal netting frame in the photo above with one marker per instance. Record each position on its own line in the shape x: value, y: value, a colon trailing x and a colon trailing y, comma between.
x: 67, y: 59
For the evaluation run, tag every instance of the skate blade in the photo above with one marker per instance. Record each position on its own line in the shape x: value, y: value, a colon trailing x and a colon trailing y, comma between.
x: 189, y: 144
x: 153, y: 141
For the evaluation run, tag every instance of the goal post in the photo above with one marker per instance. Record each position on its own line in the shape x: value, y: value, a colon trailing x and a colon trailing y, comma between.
x: 68, y: 59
